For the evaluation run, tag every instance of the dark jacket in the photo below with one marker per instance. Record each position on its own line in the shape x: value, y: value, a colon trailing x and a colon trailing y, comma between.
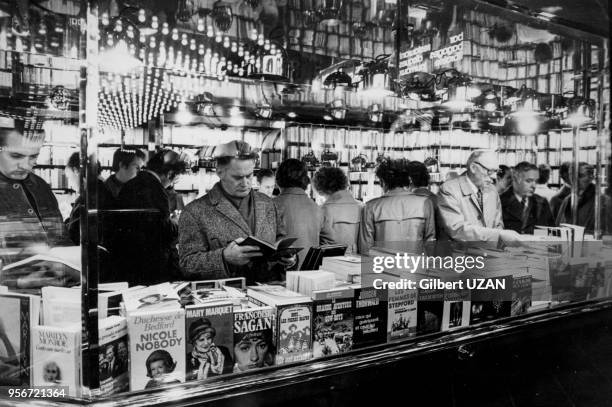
x: 586, y: 211
x: 342, y: 214
x: 208, y: 224
x: 146, y: 192
x: 512, y: 212
x: 73, y: 223
x: 18, y: 221
x: 303, y: 219
x: 397, y: 216
x: 557, y: 200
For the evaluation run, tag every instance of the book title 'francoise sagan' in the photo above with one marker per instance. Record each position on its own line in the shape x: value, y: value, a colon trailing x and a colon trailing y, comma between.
x: 252, y: 321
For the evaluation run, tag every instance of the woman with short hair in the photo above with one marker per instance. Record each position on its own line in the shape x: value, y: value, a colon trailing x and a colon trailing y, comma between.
x: 341, y: 212
x: 302, y: 217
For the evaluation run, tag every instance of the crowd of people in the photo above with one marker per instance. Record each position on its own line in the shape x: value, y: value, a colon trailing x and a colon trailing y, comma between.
x: 487, y: 202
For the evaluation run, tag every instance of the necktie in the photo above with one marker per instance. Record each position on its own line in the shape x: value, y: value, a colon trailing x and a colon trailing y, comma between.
x: 525, y: 214
x: 479, y: 196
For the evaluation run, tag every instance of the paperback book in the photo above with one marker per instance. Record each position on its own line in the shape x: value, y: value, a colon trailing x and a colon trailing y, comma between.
x: 253, y: 338
x: 333, y: 318
x: 56, y: 357
x: 293, y: 321
x: 157, y: 348
x: 20, y: 314
x: 113, y: 355
x: 370, y: 327
x: 402, y: 314
x: 210, y: 342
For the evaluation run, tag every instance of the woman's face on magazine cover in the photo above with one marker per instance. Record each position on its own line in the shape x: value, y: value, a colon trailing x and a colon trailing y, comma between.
x: 251, y: 354
x: 51, y: 372
x: 203, y: 342
x: 158, y: 368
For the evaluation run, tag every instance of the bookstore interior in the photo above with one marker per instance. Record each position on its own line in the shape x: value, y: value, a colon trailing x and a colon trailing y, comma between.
x: 168, y: 234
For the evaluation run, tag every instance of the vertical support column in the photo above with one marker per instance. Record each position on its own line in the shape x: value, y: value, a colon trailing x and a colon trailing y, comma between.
x: 88, y: 98
x: 600, y: 146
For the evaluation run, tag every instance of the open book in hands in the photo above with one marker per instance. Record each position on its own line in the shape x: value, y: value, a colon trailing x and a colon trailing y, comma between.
x: 273, y: 251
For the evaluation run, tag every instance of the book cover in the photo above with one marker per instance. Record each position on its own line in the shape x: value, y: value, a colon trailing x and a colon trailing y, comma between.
x: 157, y: 348
x: 253, y: 338
x: 56, y: 357
x: 113, y: 355
x: 456, y: 312
x: 402, y: 314
x: 157, y: 296
x: 430, y: 311
x: 294, y: 333
x: 293, y: 321
x: 521, y: 294
x: 370, y: 327
x: 20, y: 314
x: 333, y: 318
x: 484, y: 307
x: 210, y: 340
x: 61, y: 306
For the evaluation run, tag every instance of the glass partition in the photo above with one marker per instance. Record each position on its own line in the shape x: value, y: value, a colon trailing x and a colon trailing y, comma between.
x: 441, y: 166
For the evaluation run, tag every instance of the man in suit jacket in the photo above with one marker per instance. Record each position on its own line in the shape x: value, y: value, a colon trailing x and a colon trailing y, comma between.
x: 211, y: 227
x: 522, y: 208
x: 469, y: 205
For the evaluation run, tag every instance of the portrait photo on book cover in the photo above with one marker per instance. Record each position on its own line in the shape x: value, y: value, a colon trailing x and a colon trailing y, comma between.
x: 52, y: 374
x: 253, y: 350
x: 113, y: 359
x: 205, y: 358
x: 160, y: 367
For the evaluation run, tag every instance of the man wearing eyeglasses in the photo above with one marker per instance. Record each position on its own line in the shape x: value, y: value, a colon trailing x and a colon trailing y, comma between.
x: 469, y: 206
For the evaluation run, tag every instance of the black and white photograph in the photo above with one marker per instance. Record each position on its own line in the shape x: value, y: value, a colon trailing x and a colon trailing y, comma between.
x: 327, y: 203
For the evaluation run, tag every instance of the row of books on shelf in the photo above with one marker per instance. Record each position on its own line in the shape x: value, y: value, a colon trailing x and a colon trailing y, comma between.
x: 528, y: 66
x: 323, y: 43
x: 50, y: 77
x: 176, y: 332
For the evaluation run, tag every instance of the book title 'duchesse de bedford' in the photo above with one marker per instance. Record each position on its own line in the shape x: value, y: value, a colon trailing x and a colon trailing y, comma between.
x: 165, y: 332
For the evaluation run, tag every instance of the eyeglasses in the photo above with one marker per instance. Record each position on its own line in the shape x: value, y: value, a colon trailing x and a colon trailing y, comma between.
x: 489, y: 171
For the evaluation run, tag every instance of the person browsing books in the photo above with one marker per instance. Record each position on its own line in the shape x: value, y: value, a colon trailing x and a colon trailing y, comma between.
x: 398, y: 216
x: 212, y: 227
x: 522, y: 208
x: 27, y: 203
x: 341, y: 212
x: 301, y: 216
x: 469, y: 206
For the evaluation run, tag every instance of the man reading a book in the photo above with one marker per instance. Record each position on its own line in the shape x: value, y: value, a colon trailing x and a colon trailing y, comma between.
x: 26, y: 201
x: 212, y: 227
x: 30, y: 214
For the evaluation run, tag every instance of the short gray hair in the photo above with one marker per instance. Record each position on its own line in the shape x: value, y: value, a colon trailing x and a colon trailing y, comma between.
x: 476, y: 154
